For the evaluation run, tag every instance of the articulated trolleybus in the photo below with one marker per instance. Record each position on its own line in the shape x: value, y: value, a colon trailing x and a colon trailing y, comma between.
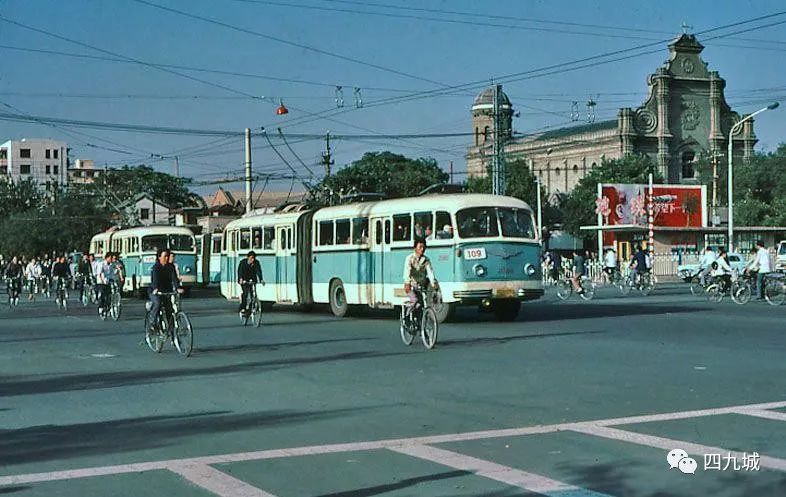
x: 138, y: 246
x: 484, y: 249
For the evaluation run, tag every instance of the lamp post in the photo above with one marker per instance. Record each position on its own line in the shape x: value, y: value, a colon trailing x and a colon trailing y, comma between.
x: 730, y: 187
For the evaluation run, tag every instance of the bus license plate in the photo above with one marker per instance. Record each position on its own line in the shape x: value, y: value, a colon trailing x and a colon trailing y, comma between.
x: 474, y: 253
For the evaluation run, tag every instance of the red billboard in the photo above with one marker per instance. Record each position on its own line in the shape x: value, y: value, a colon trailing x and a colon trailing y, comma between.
x: 678, y: 206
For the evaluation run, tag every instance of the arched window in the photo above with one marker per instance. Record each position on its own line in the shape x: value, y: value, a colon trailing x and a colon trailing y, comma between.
x: 486, y: 132
x: 688, y: 161
x: 575, y: 169
x: 556, y: 171
x: 594, y: 165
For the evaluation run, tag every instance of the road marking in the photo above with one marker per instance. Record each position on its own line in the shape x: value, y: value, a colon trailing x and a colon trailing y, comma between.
x: 761, y: 413
x: 669, y: 444
x: 487, y: 469
x: 217, y: 481
x: 379, y: 444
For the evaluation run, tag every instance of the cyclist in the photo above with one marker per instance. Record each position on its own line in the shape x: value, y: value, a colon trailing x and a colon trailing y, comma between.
x: 46, y: 274
x: 639, y: 264
x: 104, y: 277
x: 61, y: 271
x: 119, y: 268
x: 249, y: 273
x: 722, y: 270
x: 578, y: 270
x: 162, y: 280
x: 84, y: 270
x: 32, y: 274
x: 610, y: 264
x: 705, y: 263
x: 175, y: 266
x: 763, y: 266
x: 418, y: 273
x: 13, y: 273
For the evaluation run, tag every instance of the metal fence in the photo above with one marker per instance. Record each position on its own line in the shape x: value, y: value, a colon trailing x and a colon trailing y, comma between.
x: 663, y: 265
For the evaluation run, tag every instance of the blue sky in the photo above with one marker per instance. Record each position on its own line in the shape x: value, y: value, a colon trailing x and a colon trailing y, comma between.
x: 440, y: 52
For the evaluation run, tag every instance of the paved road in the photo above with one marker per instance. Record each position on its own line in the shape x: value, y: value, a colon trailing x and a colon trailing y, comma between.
x: 573, y: 399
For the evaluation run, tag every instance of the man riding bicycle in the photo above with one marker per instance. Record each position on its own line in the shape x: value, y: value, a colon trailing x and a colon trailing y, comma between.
x: 418, y: 273
x: 61, y: 271
x: 639, y: 264
x: 105, y: 276
x: 13, y: 273
x: 162, y: 280
x: 578, y: 271
x: 249, y: 273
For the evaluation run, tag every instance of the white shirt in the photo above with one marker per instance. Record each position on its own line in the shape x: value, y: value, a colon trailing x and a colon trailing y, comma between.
x: 33, y: 271
x: 106, y: 273
x: 611, y: 259
x: 723, y: 267
x: 707, y: 259
x: 763, y: 260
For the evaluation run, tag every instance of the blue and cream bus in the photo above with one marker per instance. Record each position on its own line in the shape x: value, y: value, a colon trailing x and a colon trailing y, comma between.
x: 484, y: 249
x: 138, y: 246
x: 208, y: 259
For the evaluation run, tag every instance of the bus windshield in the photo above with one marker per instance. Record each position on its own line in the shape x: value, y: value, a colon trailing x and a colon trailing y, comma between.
x: 485, y: 222
x: 183, y: 243
x: 153, y: 243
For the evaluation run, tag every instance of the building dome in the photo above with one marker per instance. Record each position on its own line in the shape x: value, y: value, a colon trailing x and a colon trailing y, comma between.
x: 485, y: 99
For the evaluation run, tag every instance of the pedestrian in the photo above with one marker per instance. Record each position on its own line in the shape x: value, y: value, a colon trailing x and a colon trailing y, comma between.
x: 763, y: 266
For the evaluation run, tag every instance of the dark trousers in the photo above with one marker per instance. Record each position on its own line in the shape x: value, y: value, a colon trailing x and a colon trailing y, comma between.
x: 246, y: 293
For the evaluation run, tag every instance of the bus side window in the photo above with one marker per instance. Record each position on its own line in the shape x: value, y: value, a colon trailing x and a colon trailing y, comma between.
x: 403, y: 227
x: 269, y: 238
x: 291, y: 239
x: 216, y: 241
x: 424, y: 225
x: 224, y: 241
x: 443, y: 226
x: 387, y: 231
x: 378, y: 233
x: 326, y: 233
x: 283, y: 239
x: 342, y: 231
x: 256, y: 238
x: 360, y: 231
x: 245, y: 239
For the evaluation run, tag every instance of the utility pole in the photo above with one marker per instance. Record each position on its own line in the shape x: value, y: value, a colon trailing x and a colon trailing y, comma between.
x: 715, y: 158
x: 327, y: 159
x: 451, y: 172
x: 177, y: 167
x: 498, y: 161
x: 248, y: 171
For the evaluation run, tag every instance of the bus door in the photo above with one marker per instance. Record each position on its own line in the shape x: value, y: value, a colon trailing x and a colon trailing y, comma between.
x: 380, y: 251
x: 285, y: 266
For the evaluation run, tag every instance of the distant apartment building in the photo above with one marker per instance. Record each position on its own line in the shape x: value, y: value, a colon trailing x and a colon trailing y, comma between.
x: 83, y: 172
x: 42, y: 160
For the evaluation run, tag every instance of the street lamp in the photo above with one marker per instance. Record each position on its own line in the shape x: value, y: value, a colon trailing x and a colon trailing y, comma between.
x: 730, y: 187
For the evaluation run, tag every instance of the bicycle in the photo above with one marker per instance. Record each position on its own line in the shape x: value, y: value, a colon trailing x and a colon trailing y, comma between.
x: 45, y: 286
x: 253, y: 309
x: 717, y: 289
x: 774, y: 288
x: 61, y: 293
x: 419, y: 318
x: 115, y: 302
x: 616, y: 279
x: 171, y: 323
x: 643, y: 282
x: 14, y: 288
x: 88, y: 291
x: 698, y: 285
x: 565, y: 288
x: 742, y: 288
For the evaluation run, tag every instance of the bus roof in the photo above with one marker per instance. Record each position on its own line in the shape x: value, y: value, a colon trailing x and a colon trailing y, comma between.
x: 154, y: 230
x: 433, y: 202
x: 267, y: 219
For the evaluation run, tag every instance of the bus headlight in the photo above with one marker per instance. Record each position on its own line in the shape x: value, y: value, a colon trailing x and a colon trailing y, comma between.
x: 480, y: 270
x: 530, y: 270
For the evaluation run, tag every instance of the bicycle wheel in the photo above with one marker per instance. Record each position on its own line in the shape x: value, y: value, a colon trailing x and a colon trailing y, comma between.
x: 714, y: 293
x: 648, y: 285
x: 589, y: 290
x: 115, y: 308
x: 152, y: 336
x: 405, y: 327
x: 624, y: 285
x: 774, y: 292
x: 429, y: 328
x: 696, y: 288
x: 256, y: 313
x: 741, y: 292
x: 564, y: 289
x: 184, y: 334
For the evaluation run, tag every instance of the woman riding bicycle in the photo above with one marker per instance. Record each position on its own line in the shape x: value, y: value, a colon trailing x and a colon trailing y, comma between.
x: 418, y: 273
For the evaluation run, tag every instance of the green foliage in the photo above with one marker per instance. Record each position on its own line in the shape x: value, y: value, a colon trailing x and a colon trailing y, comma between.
x: 129, y: 181
x: 385, y: 172
x: 760, y: 190
x: 18, y: 196
x: 520, y: 183
x: 62, y: 222
x: 579, y: 206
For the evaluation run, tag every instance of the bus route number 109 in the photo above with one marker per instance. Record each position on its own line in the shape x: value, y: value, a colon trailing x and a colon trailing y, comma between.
x: 474, y: 253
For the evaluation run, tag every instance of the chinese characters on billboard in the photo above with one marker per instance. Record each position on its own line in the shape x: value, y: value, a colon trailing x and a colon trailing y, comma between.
x: 677, y: 206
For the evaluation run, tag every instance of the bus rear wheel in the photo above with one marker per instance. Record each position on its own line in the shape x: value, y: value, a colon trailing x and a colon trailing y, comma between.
x: 506, y: 310
x: 338, y: 299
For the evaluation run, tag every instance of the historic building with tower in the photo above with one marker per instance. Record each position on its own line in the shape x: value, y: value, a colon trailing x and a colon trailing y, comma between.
x: 684, y: 116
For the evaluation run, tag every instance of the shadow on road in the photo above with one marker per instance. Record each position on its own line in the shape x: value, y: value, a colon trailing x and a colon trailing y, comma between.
x: 27, y: 385
x: 254, y: 347
x: 57, y: 442
x: 399, y: 485
x: 514, y: 338
x: 14, y: 489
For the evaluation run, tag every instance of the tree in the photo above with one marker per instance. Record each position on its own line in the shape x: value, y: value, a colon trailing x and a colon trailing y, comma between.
x: 129, y: 181
x: 579, y: 206
x: 19, y: 196
x: 520, y: 183
x: 391, y: 174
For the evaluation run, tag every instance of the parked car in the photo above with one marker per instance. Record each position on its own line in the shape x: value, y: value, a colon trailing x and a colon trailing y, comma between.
x: 780, y: 256
x: 736, y: 261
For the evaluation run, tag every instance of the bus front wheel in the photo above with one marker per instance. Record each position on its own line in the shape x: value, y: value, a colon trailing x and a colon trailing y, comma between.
x: 506, y: 310
x: 338, y: 299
